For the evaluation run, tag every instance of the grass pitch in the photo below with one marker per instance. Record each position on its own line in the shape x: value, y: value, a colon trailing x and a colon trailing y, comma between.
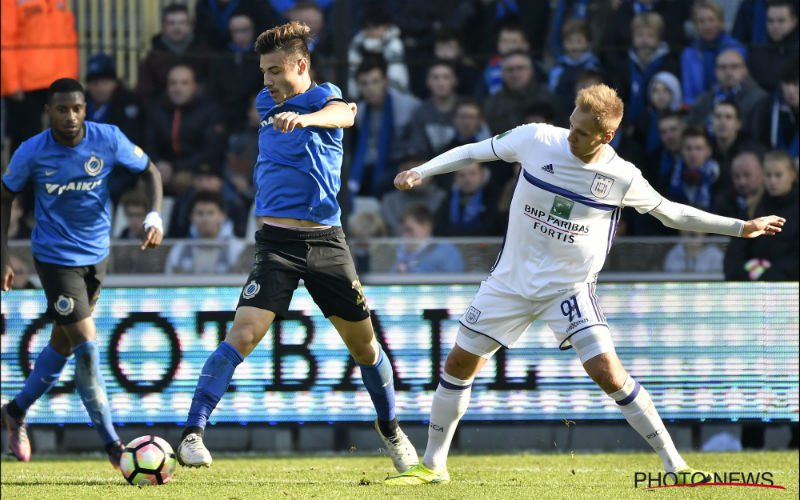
x: 515, y: 476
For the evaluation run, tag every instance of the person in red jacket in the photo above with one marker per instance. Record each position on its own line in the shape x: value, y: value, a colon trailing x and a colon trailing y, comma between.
x: 39, y: 45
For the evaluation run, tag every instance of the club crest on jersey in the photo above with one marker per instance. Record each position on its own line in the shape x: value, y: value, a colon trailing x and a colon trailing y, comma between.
x: 93, y: 165
x: 601, y: 185
x: 562, y: 207
x: 472, y: 315
x: 251, y: 290
x: 64, y: 305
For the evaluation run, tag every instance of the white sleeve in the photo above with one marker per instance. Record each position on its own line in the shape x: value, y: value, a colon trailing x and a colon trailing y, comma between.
x: 503, y: 147
x: 678, y: 216
x: 640, y: 194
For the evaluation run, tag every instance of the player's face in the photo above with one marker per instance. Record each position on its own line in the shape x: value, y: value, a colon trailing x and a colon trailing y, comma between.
x: 285, y: 75
x: 747, y: 174
x: 780, y: 21
x: 585, y: 138
x: 779, y: 177
x: 67, y: 111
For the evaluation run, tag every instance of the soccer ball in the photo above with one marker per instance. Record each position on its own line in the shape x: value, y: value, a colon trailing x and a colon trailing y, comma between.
x: 148, y: 460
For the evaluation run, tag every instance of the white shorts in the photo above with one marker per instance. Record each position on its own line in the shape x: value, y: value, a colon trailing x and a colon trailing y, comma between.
x: 502, y: 316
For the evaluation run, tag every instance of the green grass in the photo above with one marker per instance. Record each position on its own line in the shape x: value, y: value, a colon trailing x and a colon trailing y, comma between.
x: 517, y: 476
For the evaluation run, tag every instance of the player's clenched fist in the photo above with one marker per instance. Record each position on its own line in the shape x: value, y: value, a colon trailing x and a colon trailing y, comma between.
x: 287, y: 121
x: 407, y: 180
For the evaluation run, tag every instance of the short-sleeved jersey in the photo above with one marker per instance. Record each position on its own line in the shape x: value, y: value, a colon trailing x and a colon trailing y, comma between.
x: 298, y: 174
x: 564, y: 212
x: 70, y: 184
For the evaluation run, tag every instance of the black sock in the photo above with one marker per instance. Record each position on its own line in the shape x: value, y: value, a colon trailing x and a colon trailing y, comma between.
x: 192, y: 430
x: 14, y: 411
x: 388, y: 427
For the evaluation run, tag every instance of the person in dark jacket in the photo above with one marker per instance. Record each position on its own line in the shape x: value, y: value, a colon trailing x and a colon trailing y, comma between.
x: 777, y: 259
x: 108, y: 101
x: 183, y: 131
x: 175, y: 44
x: 213, y: 19
x: 777, y: 118
x: 471, y: 206
x: 766, y: 60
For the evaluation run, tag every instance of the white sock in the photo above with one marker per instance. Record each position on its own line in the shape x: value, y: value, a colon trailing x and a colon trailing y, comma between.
x: 449, y: 404
x: 641, y: 414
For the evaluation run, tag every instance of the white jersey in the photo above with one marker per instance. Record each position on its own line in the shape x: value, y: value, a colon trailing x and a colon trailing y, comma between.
x: 564, y: 212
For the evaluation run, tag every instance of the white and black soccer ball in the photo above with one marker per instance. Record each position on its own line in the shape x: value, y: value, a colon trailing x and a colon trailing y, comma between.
x: 148, y: 460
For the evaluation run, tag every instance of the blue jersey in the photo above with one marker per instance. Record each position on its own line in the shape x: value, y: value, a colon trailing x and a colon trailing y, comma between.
x: 73, y: 208
x: 298, y: 174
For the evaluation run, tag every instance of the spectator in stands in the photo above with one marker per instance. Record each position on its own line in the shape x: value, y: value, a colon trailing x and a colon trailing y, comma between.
x: 22, y: 274
x: 363, y: 227
x: 39, y: 46
x: 418, y: 253
x: 470, y: 208
x: 109, y: 101
x: 776, y: 259
x: 395, y: 203
x: 447, y: 47
x: 468, y: 123
x: 577, y: 57
x: 633, y: 71
x: 663, y: 96
x: 213, y: 20
x: 235, y: 74
x: 674, y: 14
x: 183, y: 131
x: 504, y: 110
x: 692, y: 182
x: 596, y: 12
x: 748, y: 186
x: 750, y: 24
x: 667, y: 159
x: 767, y: 60
x: 380, y: 37
x: 321, y: 46
x: 733, y: 82
x: 777, y: 118
x: 382, y: 130
x: 510, y: 39
x: 134, y: 206
x: 728, y: 140
x: 18, y: 228
x: 283, y: 7
x: 693, y: 255
x: 175, y: 44
x: 433, y: 119
x: 208, y: 179
x: 697, y: 61
x: 540, y: 112
x: 242, y: 152
x: 219, y: 253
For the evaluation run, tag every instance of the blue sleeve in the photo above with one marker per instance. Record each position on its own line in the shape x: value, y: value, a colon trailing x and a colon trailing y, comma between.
x: 129, y: 154
x: 19, y: 170
x: 322, y: 94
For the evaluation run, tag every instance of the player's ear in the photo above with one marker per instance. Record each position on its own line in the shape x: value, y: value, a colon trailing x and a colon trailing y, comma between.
x: 302, y: 65
x: 609, y: 136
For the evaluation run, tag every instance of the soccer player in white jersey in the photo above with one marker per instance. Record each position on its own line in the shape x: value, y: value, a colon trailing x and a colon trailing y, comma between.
x: 563, y: 217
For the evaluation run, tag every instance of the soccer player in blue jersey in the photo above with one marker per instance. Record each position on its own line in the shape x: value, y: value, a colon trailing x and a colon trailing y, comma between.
x: 69, y: 165
x: 297, y: 177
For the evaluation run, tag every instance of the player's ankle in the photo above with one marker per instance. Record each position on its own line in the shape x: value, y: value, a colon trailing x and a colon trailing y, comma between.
x: 192, y: 429
x: 14, y: 411
x: 388, y: 427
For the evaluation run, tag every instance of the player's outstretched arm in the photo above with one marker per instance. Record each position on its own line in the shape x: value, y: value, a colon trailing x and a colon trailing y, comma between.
x: 449, y: 161
x: 684, y: 217
x: 7, y: 198
x: 153, y: 226
x: 335, y: 114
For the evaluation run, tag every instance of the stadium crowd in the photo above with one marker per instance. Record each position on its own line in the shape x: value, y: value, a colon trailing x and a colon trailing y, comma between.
x: 711, y: 114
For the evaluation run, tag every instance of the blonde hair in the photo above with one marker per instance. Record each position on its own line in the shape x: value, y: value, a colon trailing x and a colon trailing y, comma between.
x: 709, y: 5
x: 292, y: 38
x: 648, y: 20
x: 603, y: 102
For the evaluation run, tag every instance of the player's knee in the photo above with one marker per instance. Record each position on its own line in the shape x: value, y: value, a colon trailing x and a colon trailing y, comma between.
x: 363, y: 353
x: 461, y: 364
x: 243, y: 339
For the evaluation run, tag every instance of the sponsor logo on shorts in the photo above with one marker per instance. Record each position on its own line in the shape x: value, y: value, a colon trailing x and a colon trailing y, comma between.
x: 64, y: 305
x: 361, y: 299
x: 251, y: 290
x: 93, y: 165
x: 472, y: 315
x: 601, y: 185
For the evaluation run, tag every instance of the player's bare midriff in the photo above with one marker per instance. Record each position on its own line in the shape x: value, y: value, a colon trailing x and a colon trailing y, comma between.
x: 288, y: 221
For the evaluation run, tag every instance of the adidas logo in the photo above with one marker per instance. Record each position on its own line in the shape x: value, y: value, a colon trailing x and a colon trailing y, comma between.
x: 548, y: 168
